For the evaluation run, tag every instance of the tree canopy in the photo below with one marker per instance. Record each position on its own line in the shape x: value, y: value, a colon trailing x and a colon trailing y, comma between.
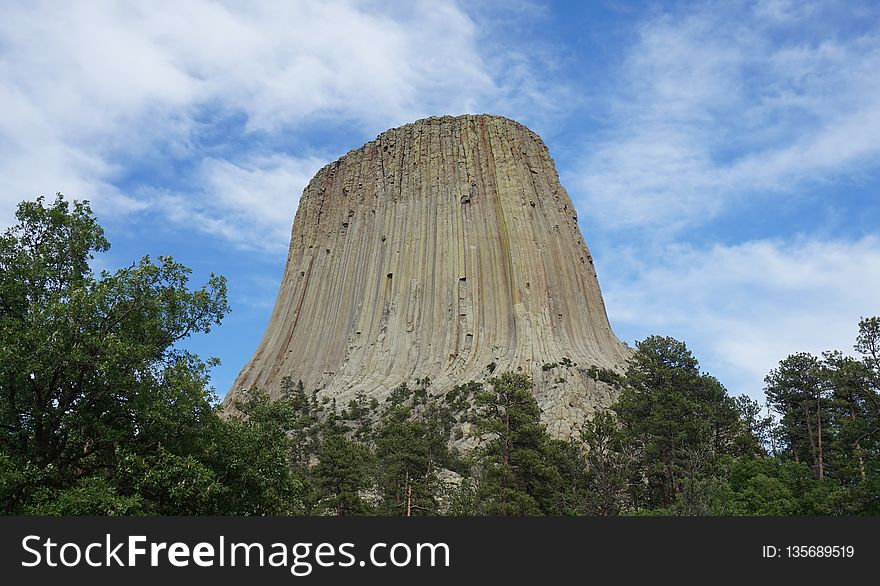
x: 100, y: 410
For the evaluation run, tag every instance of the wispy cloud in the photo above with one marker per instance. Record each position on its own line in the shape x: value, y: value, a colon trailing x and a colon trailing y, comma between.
x: 250, y: 202
x: 198, y: 111
x: 94, y: 93
x: 721, y: 109
x: 727, y: 101
x: 784, y: 10
x: 747, y: 306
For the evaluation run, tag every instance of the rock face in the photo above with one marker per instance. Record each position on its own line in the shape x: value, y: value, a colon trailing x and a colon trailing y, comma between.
x: 437, y: 249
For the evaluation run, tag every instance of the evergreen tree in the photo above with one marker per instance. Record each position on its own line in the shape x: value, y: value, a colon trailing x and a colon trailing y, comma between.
x: 516, y: 475
x: 848, y: 443
x: 868, y: 342
x: 796, y: 391
x: 609, y: 466
x: 677, y: 420
x: 759, y: 427
x: 342, y: 475
x: 407, y: 471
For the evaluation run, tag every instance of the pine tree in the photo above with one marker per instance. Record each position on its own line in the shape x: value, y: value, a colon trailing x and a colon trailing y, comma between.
x: 795, y: 390
x: 609, y: 465
x: 407, y: 472
x: 678, y: 420
x: 343, y: 473
x: 516, y: 474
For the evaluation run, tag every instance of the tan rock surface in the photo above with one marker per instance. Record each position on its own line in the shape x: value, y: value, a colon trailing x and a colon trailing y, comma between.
x: 434, y: 250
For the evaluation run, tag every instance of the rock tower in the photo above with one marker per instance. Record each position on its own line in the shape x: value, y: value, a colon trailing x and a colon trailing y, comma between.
x: 439, y: 249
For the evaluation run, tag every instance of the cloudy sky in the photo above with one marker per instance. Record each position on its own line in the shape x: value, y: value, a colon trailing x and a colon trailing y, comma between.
x: 723, y: 156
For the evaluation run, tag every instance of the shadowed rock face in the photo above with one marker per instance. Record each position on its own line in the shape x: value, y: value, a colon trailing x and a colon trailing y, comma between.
x: 436, y: 249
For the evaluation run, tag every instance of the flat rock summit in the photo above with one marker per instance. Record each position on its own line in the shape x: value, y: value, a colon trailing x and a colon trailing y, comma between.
x: 445, y: 248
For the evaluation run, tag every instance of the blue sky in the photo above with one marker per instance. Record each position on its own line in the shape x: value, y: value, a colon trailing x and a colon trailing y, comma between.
x: 723, y: 156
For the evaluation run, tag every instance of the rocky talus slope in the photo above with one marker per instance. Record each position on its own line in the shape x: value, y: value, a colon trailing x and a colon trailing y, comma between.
x: 438, y: 249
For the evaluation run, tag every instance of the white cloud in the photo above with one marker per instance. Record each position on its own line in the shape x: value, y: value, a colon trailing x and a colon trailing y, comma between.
x: 718, y: 105
x: 714, y: 107
x: 91, y: 89
x: 784, y: 10
x: 745, y: 307
x: 250, y: 202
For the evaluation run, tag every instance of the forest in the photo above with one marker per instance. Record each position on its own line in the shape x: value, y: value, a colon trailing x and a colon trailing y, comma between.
x: 103, y: 413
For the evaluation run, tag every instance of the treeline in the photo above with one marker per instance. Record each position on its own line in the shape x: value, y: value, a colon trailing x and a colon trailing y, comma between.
x: 675, y: 443
x: 102, y: 413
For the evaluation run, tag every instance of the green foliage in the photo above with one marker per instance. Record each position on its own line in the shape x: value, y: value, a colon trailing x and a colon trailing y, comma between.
x: 463, y: 499
x: 254, y: 459
x: 678, y: 420
x: 90, y: 496
x: 408, y: 463
x: 170, y: 484
x: 342, y: 474
x: 605, y: 375
x: 100, y: 411
x: 868, y: 342
x: 760, y: 427
x: 794, y: 390
x: 829, y: 419
x: 608, y: 466
x: 763, y: 486
x: 515, y: 462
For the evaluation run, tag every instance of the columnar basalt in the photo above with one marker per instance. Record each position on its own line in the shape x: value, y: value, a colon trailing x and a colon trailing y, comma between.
x: 436, y: 250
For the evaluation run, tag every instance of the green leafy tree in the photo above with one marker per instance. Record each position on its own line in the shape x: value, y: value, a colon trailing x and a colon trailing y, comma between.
x: 168, y: 483
x: 254, y: 458
x: 100, y: 411
x: 88, y: 366
x: 762, y: 486
x: 94, y: 495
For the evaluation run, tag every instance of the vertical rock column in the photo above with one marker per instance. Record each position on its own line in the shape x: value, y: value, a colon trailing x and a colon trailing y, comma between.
x: 436, y: 249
